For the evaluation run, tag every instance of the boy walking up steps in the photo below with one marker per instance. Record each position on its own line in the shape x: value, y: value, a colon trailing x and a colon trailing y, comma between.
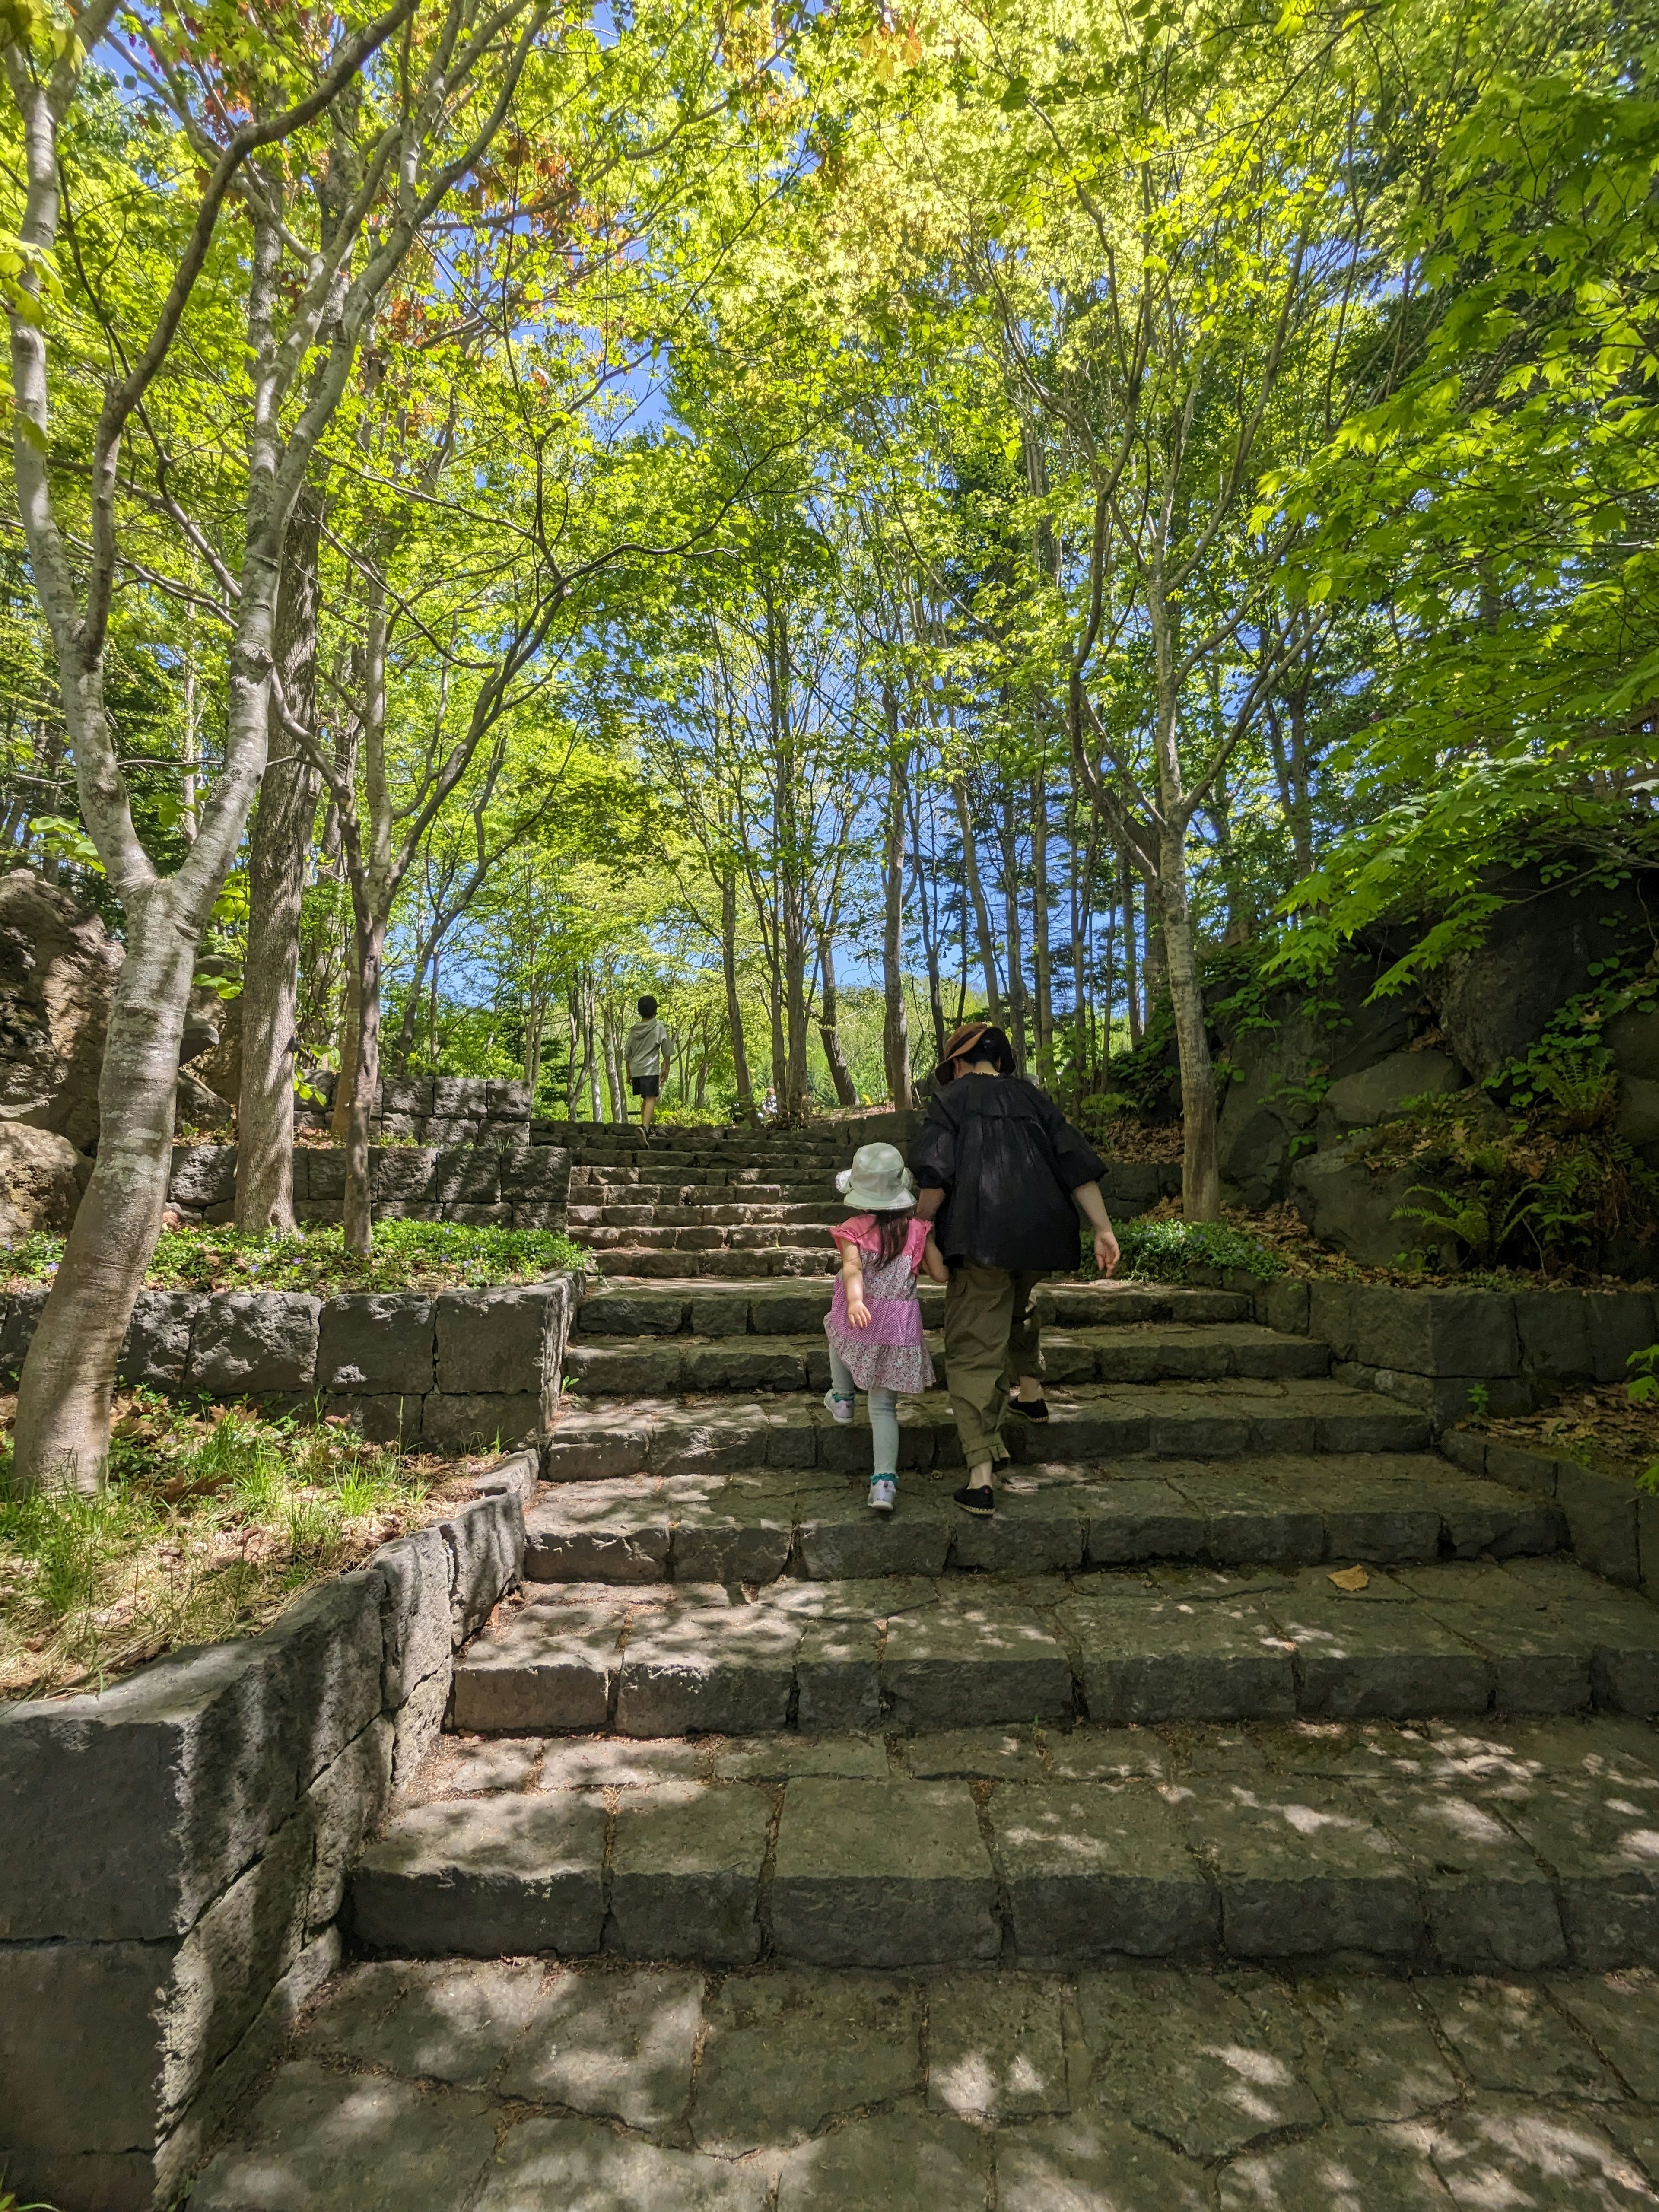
x: 643, y: 1049
x: 874, y: 1321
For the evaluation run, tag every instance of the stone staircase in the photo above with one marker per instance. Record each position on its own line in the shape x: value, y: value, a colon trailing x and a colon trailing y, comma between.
x: 1186, y: 1864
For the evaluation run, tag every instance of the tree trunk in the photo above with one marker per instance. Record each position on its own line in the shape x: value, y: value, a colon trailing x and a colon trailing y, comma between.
x: 733, y: 1003
x: 62, y: 1436
x: 895, y: 1034
x: 278, y: 841
x: 846, y: 1090
x: 1042, y: 958
x: 1125, y: 899
x: 1200, y: 1177
x: 359, y: 1196
x: 976, y: 890
x: 1014, y: 932
x: 345, y: 1083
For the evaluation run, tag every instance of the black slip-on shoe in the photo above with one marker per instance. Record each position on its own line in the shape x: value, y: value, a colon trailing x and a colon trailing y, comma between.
x: 982, y: 1502
x: 1034, y: 1409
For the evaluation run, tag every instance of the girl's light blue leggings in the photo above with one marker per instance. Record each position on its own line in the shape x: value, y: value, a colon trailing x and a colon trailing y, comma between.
x: 884, y: 1415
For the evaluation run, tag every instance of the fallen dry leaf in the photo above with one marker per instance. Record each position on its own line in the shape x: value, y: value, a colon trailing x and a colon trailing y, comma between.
x: 1351, y: 1578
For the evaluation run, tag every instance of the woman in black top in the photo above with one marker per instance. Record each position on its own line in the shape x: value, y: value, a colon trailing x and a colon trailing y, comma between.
x: 1002, y: 1175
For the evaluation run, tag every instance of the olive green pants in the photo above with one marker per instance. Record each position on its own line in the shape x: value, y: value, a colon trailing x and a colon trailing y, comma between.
x: 991, y: 1340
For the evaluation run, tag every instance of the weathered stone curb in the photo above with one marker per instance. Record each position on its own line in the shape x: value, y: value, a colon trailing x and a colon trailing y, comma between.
x: 457, y: 1370
x: 175, y: 1852
x: 487, y: 1184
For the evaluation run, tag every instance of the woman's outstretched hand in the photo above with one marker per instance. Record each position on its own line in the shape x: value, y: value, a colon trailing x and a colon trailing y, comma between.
x: 1106, y: 1252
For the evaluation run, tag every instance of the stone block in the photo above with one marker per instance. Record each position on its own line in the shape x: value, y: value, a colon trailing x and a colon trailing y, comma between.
x: 416, y: 1726
x: 1165, y: 1662
x: 545, y: 1667
x: 202, y: 1175
x: 1285, y: 1305
x: 697, y: 1668
x: 601, y: 1532
x: 518, y: 1475
x: 495, y: 1340
x: 1619, y: 1323
x: 882, y: 1874
x: 156, y: 1352
x: 1357, y: 1660
x: 403, y: 1175
x: 1554, y: 1332
x: 1095, y: 1871
x: 1489, y: 1906
x: 1303, y: 1872
x: 685, y: 1869
x: 346, y: 1803
x: 463, y: 1172
x: 325, y: 1176
x: 1330, y: 1316
x: 971, y: 1665
x: 485, y: 1877
x: 1460, y: 1333
x: 1596, y: 1840
x: 484, y: 1422
x: 123, y: 1815
x: 783, y: 2050
x: 536, y: 1172
x: 615, y: 2044
x: 376, y: 1342
x: 20, y: 1313
x: 411, y: 1098
x: 1170, y: 2050
x: 416, y: 1573
x: 248, y: 1341
x: 1519, y: 1470
x: 485, y: 1542
x: 389, y: 1420
x: 1600, y: 1511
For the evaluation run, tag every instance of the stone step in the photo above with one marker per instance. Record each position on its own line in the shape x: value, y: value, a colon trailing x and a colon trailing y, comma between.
x: 1494, y: 1848
x: 625, y: 1308
x: 725, y: 1213
x: 1124, y: 1647
x: 721, y: 1265
x: 418, y: 2085
x: 754, y: 1529
x: 594, y: 1186
x: 1091, y: 1424
x: 708, y: 1237
x: 633, y: 1366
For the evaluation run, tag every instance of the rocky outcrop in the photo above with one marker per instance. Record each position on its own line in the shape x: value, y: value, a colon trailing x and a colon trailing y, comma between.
x: 57, y: 970
x: 41, y: 1178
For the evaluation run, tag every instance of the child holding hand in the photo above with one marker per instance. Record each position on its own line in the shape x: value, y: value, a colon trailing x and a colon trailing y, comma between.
x: 874, y: 1321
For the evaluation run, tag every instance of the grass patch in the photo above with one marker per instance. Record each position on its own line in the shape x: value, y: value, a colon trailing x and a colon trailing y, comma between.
x: 408, y: 1256
x: 1164, y: 1249
x: 211, y: 1521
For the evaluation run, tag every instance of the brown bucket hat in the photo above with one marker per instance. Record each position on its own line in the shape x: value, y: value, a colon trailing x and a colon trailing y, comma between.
x: 959, y: 1045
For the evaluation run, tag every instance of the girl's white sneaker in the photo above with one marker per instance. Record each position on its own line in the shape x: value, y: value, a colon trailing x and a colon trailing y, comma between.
x: 839, y: 1408
x: 884, y: 1493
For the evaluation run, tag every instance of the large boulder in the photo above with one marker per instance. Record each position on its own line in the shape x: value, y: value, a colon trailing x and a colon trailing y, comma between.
x: 41, y: 1178
x: 1377, y: 1094
x: 57, y: 970
x: 1350, y: 1209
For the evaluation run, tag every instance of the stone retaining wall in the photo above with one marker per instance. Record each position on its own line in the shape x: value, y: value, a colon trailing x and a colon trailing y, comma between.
x: 507, y: 1185
x: 442, y: 1109
x: 175, y: 1852
x: 1513, y: 1350
x: 444, y: 1371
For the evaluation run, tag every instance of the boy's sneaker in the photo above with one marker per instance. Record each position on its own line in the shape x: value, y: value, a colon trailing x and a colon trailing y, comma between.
x: 839, y: 1408
x: 884, y: 1493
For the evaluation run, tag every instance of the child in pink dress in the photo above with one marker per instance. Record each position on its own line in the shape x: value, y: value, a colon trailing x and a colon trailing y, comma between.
x: 874, y: 1321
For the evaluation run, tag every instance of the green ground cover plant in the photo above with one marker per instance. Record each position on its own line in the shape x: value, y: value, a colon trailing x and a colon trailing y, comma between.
x: 211, y: 1521
x: 1164, y: 1249
x: 408, y: 1256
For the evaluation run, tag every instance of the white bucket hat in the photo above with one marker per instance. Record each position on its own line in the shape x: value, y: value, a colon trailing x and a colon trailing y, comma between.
x: 877, y: 1180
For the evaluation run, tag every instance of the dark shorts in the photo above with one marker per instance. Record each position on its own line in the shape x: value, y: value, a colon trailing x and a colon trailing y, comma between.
x: 645, y: 1086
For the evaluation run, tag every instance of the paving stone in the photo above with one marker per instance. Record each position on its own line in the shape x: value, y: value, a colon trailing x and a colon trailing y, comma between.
x: 996, y: 2047
x: 318, y: 2141
x: 697, y: 1667
x: 1302, y: 1871
x: 1341, y: 1751
x: 1092, y: 2164
x: 685, y: 1867
x: 882, y: 1874
x: 973, y: 1662
x: 1539, y: 1663
x: 1246, y: 1524
x: 1210, y: 2064
x: 547, y: 1665
x: 1507, y: 2035
x: 888, y: 2164
x: 458, y: 1767
x: 1619, y: 2013
x: 425, y: 2022
x: 776, y: 1759
x: 604, y: 1532
x: 622, y: 1763
x: 485, y: 1878
x: 1149, y: 1519
x: 1180, y: 1661
x: 1601, y: 1844
x: 619, y: 2044
x: 785, y: 2052
x: 734, y: 1532
x: 582, y: 2165
x: 840, y: 1536
x: 1525, y: 2155
x: 1038, y: 1529
x: 1357, y: 1660
x: 996, y: 1754
x: 1099, y: 1870
x: 837, y: 1676
x: 1087, y: 1753
x: 1340, y: 2170
x: 1381, y: 2057
x: 1487, y: 1902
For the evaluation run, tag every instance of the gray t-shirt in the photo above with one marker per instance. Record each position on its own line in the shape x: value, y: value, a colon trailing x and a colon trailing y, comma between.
x: 644, y: 1047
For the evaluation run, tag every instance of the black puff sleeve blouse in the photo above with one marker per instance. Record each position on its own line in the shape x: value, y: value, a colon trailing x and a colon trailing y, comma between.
x: 1007, y: 1160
